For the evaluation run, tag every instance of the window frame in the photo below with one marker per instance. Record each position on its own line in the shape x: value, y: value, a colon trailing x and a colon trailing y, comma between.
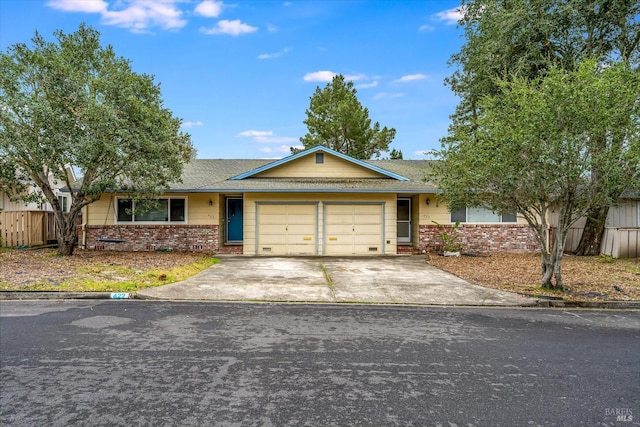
x: 63, y: 201
x: 133, y: 221
x: 466, y: 217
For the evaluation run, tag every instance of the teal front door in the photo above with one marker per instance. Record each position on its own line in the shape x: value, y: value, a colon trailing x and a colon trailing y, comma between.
x: 234, y: 219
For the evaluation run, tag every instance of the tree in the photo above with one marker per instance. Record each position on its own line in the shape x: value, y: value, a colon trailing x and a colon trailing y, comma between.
x: 532, y: 149
x: 395, y: 154
x: 75, y: 104
x: 337, y: 120
x: 526, y: 38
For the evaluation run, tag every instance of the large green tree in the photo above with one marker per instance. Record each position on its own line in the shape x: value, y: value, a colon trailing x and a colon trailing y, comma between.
x: 526, y: 38
x: 532, y: 149
x: 73, y: 103
x: 336, y: 119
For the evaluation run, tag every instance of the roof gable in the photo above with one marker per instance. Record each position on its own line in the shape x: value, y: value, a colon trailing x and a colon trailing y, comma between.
x: 303, y: 165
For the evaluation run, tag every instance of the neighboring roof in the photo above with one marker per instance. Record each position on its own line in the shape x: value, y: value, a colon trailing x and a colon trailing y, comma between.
x: 318, y: 148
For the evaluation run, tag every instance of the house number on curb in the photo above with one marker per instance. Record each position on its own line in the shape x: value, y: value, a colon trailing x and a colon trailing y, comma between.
x: 119, y: 295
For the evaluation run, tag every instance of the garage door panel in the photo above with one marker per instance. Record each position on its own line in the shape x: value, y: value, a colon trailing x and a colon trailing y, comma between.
x: 273, y: 239
x: 307, y: 230
x: 353, y: 229
x: 287, y: 229
x: 367, y: 239
x: 308, y: 219
x: 368, y: 249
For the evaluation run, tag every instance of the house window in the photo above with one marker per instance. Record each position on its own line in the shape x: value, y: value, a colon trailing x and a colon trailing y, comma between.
x: 159, y: 210
x: 481, y: 215
x: 64, y: 203
x: 319, y: 158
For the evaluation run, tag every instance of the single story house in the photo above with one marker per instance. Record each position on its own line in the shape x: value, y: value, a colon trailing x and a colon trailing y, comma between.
x: 315, y: 202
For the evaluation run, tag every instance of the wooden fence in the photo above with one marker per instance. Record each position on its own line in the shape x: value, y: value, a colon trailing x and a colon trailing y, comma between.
x: 26, y: 228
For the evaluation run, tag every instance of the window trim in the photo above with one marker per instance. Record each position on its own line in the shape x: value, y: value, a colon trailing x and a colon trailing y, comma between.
x: 466, y: 215
x: 133, y: 220
x: 319, y: 158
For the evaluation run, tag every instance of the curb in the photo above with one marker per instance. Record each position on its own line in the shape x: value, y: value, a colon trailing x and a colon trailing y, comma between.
x: 45, y: 295
x: 541, y: 303
x: 610, y: 305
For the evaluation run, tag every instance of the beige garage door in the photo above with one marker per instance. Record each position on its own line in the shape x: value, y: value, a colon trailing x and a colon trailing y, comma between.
x: 353, y: 229
x: 287, y: 229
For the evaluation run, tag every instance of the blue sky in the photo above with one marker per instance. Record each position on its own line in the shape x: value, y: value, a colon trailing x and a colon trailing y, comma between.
x: 240, y: 73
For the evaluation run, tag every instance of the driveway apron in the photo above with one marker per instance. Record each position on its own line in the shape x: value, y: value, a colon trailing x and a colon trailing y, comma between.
x: 382, y: 280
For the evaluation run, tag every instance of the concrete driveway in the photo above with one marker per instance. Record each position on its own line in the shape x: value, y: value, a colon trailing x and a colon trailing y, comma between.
x: 383, y: 280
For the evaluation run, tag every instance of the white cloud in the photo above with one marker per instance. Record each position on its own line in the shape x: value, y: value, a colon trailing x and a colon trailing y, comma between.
x: 354, y: 77
x: 367, y: 85
x: 209, y: 8
x: 275, y: 139
x: 420, y: 152
x: 87, y: 6
x: 254, y: 133
x: 280, y: 149
x: 327, y: 76
x: 450, y: 16
x: 266, y: 136
x: 274, y: 55
x: 272, y: 28
x: 136, y: 15
x: 233, y: 28
x: 192, y: 124
x: 287, y: 3
x: 410, y: 78
x: 386, y: 95
x: 426, y: 27
x: 319, y: 76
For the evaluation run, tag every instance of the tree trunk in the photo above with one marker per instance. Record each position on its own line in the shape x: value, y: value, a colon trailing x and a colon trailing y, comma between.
x: 67, y: 237
x: 593, y: 231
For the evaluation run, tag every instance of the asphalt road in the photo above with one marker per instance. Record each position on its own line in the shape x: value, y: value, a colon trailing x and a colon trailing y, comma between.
x: 194, y: 364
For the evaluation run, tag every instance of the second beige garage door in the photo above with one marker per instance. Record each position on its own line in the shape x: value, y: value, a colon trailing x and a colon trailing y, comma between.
x: 287, y: 229
x: 353, y: 229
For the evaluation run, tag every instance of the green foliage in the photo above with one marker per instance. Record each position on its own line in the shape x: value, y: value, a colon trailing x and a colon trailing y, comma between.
x: 606, y: 259
x: 533, y: 148
x: 395, y: 154
x: 74, y: 103
x: 526, y: 39
x: 542, y: 139
x: 450, y: 239
x: 336, y: 119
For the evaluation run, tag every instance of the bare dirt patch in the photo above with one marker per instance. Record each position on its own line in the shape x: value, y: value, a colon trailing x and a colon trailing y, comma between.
x: 586, y: 278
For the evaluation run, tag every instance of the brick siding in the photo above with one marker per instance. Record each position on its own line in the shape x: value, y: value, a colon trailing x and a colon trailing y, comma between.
x: 185, y: 238
x: 510, y: 238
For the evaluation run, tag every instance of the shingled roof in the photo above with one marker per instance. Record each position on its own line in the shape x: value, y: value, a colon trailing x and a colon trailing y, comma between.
x: 214, y: 175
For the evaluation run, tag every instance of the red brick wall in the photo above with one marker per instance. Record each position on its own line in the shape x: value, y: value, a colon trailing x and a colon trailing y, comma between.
x: 186, y: 238
x: 511, y: 238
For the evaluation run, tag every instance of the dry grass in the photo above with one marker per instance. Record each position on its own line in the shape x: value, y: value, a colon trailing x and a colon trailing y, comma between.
x: 586, y: 278
x: 43, y: 269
